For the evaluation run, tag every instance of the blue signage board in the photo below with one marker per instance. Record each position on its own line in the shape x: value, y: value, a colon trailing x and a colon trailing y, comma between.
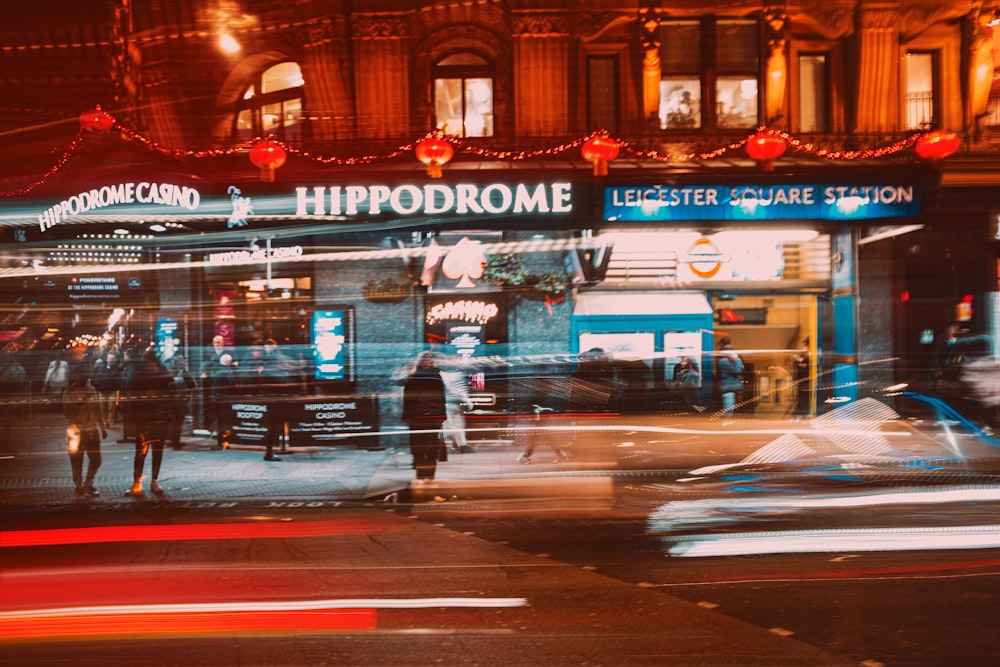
x: 760, y: 202
x: 332, y: 337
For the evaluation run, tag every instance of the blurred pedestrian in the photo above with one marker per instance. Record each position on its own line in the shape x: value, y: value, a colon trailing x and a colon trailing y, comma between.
x: 729, y: 369
x: 131, y: 365
x: 278, y: 379
x: 106, y: 378
x: 457, y: 403
x: 150, y: 393
x: 13, y: 385
x: 801, y: 378
x: 56, y: 377
x: 424, y: 412
x: 84, y: 431
x: 687, y: 379
x: 184, y: 386
x: 221, y: 381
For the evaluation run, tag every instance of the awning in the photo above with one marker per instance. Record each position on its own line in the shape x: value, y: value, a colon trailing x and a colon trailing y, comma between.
x: 642, y: 303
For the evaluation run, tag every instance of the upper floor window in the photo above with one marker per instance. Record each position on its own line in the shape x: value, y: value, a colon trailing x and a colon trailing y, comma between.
x: 710, y: 69
x: 272, y: 104
x: 918, y: 98
x: 463, y: 95
x: 814, y: 113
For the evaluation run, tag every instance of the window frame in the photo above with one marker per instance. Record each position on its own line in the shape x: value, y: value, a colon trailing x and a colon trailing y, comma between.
x: 709, y: 72
x: 259, y: 102
x: 826, y: 89
x: 464, y: 72
x: 935, y: 93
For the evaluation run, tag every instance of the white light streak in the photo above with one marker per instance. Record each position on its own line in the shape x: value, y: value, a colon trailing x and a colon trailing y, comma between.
x: 835, y: 541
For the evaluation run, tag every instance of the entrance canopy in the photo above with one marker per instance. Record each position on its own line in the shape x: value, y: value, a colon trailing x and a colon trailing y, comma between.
x: 642, y: 303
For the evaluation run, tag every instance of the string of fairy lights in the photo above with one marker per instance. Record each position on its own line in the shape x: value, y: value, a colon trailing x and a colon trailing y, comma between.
x: 97, y: 120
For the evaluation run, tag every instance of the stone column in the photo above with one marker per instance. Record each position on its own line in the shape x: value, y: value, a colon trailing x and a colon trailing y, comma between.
x: 323, y: 64
x: 649, y: 40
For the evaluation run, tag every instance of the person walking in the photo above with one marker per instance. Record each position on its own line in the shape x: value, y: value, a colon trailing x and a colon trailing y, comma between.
x: 424, y: 412
x: 131, y: 366
x: 801, y: 378
x: 106, y: 378
x: 277, y: 380
x: 457, y: 403
x: 687, y: 382
x: 13, y: 383
x: 150, y: 392
x: 729, y: 368
x: 184, y: 386
x: 220, y: 384
x: 84, y: 431
x: 56, y: 377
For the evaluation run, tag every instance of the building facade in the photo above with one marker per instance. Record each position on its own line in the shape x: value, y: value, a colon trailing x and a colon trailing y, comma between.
x: 156, y: 226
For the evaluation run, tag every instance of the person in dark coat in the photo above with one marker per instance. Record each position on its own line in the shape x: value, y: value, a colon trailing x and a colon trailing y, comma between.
x: 729, y: 369
x: 221, y: 380
x: 424, y: 412
x: 84, y: 429
x: 131, y: 365
x: 107, y: 379
x: 13, y: 384
x: 151, y: 394
x: 184, y: 386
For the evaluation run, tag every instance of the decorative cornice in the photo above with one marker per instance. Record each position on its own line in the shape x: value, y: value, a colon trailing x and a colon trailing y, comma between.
x: 878, y: 18
x: 319, y: 31
x: 540, y: 25
x: 380, y: 27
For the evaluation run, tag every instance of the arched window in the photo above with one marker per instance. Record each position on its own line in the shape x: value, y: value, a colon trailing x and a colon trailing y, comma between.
x: 272, y: 104
x: 463, y: 95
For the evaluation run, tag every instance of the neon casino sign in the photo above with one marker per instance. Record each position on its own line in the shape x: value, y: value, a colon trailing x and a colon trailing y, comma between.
x: 464, y: 310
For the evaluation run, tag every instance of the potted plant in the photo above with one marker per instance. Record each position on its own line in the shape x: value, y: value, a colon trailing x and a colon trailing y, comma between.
x: 387, y: 290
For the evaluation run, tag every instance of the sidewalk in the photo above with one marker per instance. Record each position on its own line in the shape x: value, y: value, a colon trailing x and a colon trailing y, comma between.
x: 38, y: 474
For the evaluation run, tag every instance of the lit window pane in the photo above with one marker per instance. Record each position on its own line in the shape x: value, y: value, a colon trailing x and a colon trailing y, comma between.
x: 680, y: 102
x: 448, y: 106
x: 478, y: 107
x: 281, y: 77
x: 462, y: 59
x: 919, y: 90
x: 812, y: 93
x: 244, y: 123
x: 293, y: 119
x: 271, y: 117
x: 736, y: 100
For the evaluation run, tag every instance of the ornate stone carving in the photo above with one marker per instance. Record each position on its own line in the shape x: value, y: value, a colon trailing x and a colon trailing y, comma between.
x: 541, y: 24
x: 380, y: 27
x: 878, y: 18
x: 320, y: 31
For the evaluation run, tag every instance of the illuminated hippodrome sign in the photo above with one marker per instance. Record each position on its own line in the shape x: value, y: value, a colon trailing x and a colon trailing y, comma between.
x: 760, y: 202
x: 160, y: 194
x: 434, y: 199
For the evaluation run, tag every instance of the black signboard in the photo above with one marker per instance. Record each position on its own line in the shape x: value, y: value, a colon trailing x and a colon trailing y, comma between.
x: 327, y: 419
x: 249, y: 421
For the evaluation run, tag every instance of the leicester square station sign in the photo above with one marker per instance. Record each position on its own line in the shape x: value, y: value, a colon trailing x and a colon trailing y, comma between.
x: 760, y: 202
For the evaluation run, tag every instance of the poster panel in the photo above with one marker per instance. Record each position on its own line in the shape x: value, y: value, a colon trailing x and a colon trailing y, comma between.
x: 327, y: 419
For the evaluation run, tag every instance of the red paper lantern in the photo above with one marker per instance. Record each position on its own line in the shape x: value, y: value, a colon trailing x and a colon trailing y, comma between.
x: 267, y: 156
x: 765, y: 148
x: 599, y: 151
x: 435, y: 153
x: 937, y: 145
x: 96, y: 120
